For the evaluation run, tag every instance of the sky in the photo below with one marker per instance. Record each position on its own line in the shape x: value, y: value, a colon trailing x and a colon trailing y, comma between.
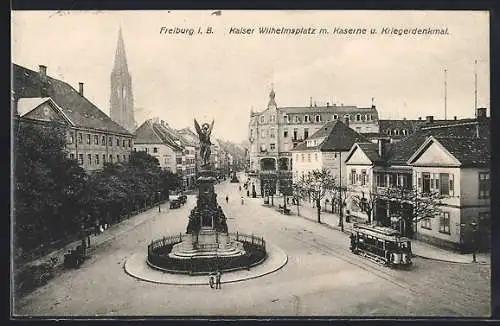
x: 222, y: 75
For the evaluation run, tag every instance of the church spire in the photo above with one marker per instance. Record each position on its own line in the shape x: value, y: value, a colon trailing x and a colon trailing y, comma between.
x: 120, y: 56
x: 121, y: 97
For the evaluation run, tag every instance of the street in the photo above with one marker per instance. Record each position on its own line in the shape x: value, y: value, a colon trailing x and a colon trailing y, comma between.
x: 322, y: 277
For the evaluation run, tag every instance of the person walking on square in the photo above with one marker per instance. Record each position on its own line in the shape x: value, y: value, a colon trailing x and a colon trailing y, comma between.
x: 227, y: 199
x: 211, y: 280
x: 242, y: 201
x: 217, y: 280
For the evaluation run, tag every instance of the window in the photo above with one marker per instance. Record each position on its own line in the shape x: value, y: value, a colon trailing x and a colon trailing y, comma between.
x: 295, y: 133
x: 358, y: 117
x: 124, y: 143
x: 271, y: 133
x: 484, y: 185
x: 318, y: 118
x: 285, y: 133
x: 110, y: 141
x: 426, y: 224
x: 286, y: 119
x: 129, y: 143
x: 88, y: 139
x: 117, y: 141
x: 297, y: 119
x: 96, y: 140
x: 117, y: 158
x: 297, y: 157
x: 110, y: 158
x: 309, y: 157
x: 273, y: 118
x: 89, y: 158
x: 103, y: 140
x: 155, y: 150
x: 444, y: 188
x: 389, y: 132
x: 272, y: 146
x: 71, y: 137
x: 404, y: 132
x: 316, y: 157
x: 80, y: 138
x: 303, y: 157
x: 335, y: 117
x: 396, y: 132
x: 264, y: 133
x: 261, y: 119
x: 352, y: 176
x: 426, y: 182
x: 306, y: 133
x: 347, y: 117
x: 71, y: 156
x: 179, y: 160
x: 452, y: 191
x: 444, y: 223
x: 103, y: 158
x: 379, y: 180
x: 97, y: 159
x: 306, y: 118
x: 80, y: 159
x: 363, y: 177
x: 124, y: 158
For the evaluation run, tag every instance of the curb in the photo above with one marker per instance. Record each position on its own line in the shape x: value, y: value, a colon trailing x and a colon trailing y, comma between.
x: 452, y: 261
x: 281, y: 264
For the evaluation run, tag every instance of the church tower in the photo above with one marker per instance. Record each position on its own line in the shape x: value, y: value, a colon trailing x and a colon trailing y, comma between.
x: 272, y: 102
x: 121, y: 98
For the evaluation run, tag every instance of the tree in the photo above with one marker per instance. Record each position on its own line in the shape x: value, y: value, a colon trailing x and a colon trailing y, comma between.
x: 365, y: 203
x: 48, y: 185
x: 316, y: 184
x: 420, y: 205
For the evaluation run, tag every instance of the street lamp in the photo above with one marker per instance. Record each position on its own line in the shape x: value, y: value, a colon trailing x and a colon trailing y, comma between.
x: 159, y: 201
x: 474, y: 242
x: 317, y: 189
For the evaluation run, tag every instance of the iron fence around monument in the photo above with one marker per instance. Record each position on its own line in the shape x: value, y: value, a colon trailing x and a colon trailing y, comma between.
x: 158, y: 256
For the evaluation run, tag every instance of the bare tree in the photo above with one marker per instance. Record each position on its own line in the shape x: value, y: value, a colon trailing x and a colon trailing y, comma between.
x: 422, y: 205
x: 365, y: 202
x: 316, y: 184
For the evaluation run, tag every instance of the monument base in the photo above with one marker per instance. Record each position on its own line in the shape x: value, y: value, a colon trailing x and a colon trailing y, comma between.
x: 206, y: 244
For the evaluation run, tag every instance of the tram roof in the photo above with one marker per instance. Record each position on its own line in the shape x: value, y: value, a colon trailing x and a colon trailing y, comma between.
x: 380, y: 232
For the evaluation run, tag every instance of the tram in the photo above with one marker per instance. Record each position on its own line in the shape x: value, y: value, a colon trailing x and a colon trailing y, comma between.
x: 381, y: 244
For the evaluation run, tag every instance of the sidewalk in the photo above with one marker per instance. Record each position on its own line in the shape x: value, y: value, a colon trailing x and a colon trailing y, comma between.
x: 96, y: 240
x: 419, y: 248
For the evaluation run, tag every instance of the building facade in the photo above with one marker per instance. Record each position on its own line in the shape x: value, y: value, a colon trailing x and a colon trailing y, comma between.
x: 121, y: 95
x: 275, y: 131
x: 447, y: 159
x: 93, y: 138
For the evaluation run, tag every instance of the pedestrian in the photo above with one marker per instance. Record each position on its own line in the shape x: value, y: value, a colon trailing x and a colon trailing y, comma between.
x: 227, y: 199
x: 217, y: 280
x: 239, y: 187
x: 242, y: 201
x: 96, y: 227
x: 211, y: 280
x: 248, y: 193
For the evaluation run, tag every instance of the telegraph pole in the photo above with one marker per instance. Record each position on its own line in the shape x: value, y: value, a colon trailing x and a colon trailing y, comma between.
x: 475, y: 88
x: 445, y: 95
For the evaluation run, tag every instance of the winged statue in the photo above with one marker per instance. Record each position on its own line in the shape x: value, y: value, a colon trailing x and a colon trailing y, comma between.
x: 204, y: 135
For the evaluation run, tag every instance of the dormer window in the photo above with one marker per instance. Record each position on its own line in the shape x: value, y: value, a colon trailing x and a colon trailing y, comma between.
x: 306, y: 118
x: 335, y: 117
x: 389, y: 132
x: 404, y: 132
x: 318, y: 118
x: 261, y: 119
x: 396, y: 132
x: 286, y: 119
x: 358, y: 117
x: 347, y: 117
x: 297, y: 119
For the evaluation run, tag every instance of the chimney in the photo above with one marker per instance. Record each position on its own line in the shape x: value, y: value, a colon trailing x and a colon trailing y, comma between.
x: 419, y: 118
x: 42, y: 71
x: 346, y: 121
x: 162, y: 122
x: 429, y: 119
x: 327, y: 104
x: 481, y: 113
x: 381, y: 145
x: 80, y: 88
x: 455, y: 118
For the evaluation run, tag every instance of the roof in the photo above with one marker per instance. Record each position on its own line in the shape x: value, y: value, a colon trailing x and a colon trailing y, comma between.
x: 151, y: 132
x: 83, y: 113
x: 327, y: 109
x: 399, y: 153
x: 339, y: 137
x: 469, y: 151
x: 371, y: 151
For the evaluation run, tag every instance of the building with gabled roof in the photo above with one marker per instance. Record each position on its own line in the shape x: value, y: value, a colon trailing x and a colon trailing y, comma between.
x: 326, y: 149
x: 450, y: 158
x: 93, y: 137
